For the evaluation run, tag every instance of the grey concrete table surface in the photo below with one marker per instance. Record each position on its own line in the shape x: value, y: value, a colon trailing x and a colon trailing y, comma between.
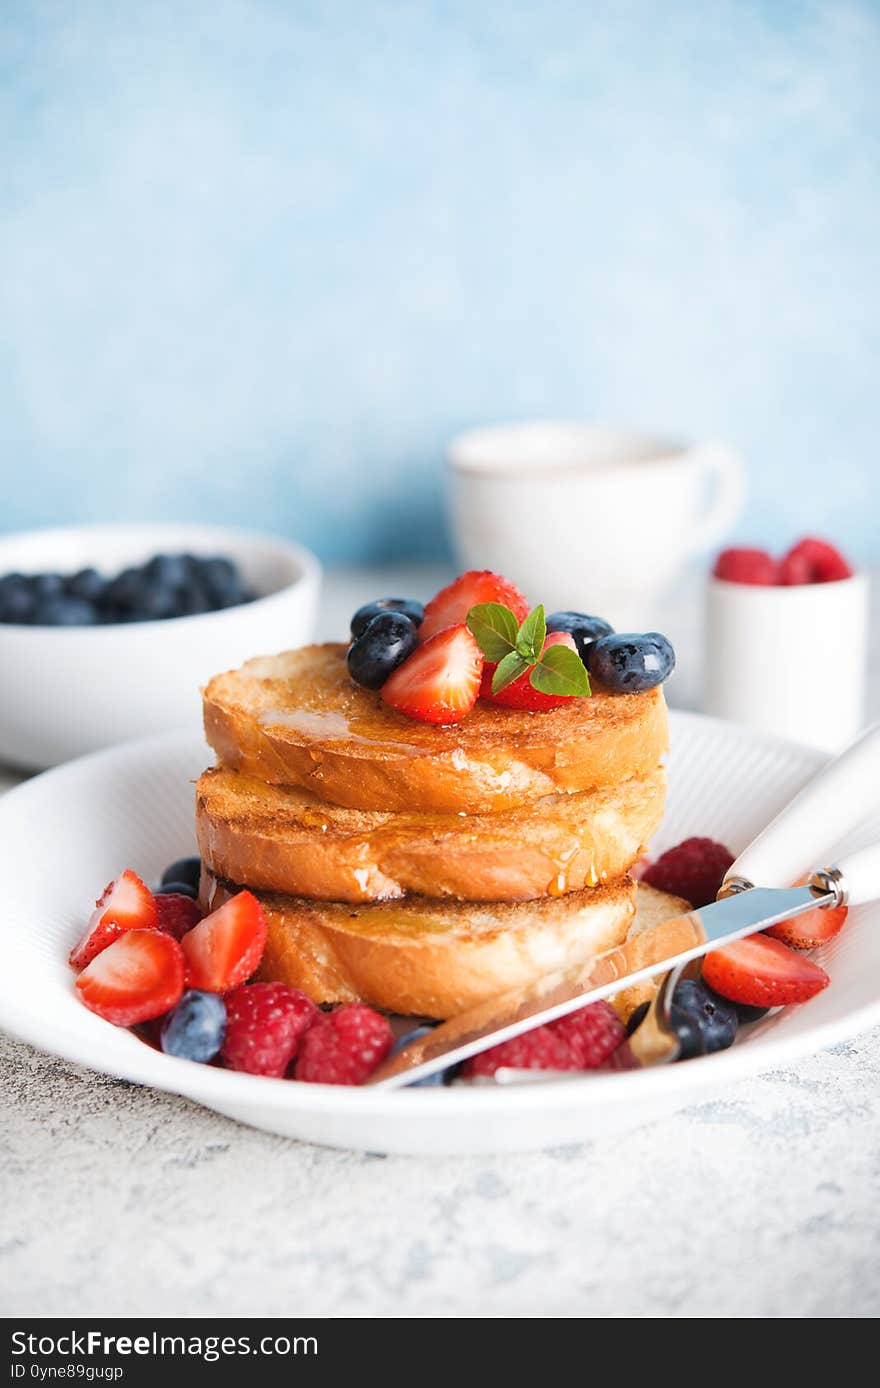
x: 763, y: 1202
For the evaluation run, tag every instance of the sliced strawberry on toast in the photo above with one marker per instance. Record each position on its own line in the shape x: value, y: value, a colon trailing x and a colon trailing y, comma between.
x: 452, y: 604
x: 125, y: 904
x: 135, y: 978
x: 224, y: 949
x: 440, y: 681
x: 521, y: 693
x: 762, y: 972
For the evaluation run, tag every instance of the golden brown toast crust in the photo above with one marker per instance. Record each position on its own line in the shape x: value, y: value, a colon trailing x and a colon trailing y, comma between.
x: 427, y: 958
x: 298, y: 719
x: 284, y: 839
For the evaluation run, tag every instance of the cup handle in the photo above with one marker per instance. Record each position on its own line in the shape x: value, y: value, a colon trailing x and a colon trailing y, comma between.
x: 730, y: 494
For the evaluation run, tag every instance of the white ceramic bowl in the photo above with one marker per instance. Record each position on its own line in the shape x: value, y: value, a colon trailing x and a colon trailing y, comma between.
x: 69, y: 690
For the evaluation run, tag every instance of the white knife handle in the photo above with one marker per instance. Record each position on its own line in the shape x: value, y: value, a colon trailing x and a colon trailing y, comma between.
x: 844, y: 792
x: 860, y: 875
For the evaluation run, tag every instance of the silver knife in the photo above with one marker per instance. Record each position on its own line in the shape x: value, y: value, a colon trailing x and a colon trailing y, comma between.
x: 743, y: 910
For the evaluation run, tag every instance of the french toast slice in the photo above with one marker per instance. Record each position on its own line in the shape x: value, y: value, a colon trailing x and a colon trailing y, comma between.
x: 429, y: 958
x: 299, y: 719
x: 284, y: 839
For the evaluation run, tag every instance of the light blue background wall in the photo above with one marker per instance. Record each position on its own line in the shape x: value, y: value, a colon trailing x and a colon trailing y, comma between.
x: 260, y: 260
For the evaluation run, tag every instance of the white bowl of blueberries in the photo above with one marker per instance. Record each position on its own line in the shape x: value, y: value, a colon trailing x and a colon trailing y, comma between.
x: 108, y: 631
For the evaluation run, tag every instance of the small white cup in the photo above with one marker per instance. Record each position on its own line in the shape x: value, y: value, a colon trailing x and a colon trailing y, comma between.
x: 789, y: 661
x: 588, y: 518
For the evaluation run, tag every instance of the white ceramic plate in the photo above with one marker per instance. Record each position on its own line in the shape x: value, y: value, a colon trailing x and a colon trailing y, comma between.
x: 66, y: 833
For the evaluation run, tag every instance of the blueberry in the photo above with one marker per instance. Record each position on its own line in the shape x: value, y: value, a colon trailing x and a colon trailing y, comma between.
x: 194, y: 599
x: 746, y: 1012
x: 703, y: 1021
x: 631, y: 663
x: 194, y: 1030
x: 387, y: 641
x: 47, y: 585
x: 169, y: 570
x: 364, y: 615
x: 430, y: 1080
x: 177, y: 888
x: 124, y: 593
x: 187, y: 870
x: 63, y: 611
x: 156, y: 604
x: 584, y: 629
x: 17, y: 598
x: 87, y: 584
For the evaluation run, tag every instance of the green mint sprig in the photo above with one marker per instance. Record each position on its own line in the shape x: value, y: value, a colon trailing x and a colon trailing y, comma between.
x: 515, y: 649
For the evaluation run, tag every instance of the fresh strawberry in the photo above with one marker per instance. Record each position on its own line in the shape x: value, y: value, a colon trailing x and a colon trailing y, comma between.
x: 813, y: 561
x: 223, y: 950
x: 177, y: 913
x: 137, y: 977
x: 520, y: 693
x: 264, y: 1024
x: 440, y: 681
x: 810, y: 930
x: 452, y: 604
x: 747, y: 566
x: 762, y: 972
x: 126, y: 904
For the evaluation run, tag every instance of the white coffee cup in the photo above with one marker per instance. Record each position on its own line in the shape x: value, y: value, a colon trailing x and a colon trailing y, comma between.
x: 790, y: 661
x: 588, y: 518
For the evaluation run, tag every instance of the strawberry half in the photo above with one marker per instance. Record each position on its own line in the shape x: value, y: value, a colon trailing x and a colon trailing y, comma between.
x: 137, y: 977
x: 762, y: 972
x: 126, y: 904
x: 520, y: 693
x: 812, y: 929
x: 452, y: 604
x: 440, y: 681
x: 223, y: 950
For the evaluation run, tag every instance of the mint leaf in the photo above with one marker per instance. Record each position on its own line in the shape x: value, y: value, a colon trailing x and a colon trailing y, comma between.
x: 532, y: 634
x: 561, y: 671
x: 493, y: 627
x: 509, y: 669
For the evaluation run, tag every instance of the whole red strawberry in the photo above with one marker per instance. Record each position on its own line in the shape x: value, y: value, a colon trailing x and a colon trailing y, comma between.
x: 582, y: 1041
x: 344, y: 1046
x: 693, y: 869
x: 265, y: 1023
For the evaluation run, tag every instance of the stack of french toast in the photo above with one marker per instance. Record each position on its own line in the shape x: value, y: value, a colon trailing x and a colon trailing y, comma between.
x: 423, y: 866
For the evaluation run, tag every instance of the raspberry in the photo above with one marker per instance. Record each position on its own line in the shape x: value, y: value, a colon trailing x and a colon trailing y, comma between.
x: 264, y: 1024
x: 540, y: 1049
x: 693, y: 869
x: 344, y: 1046
x: 177, y: 914
x: 813, y: 561
x: 581, y: 1041
x: 746, y: 566
x: 592, y: 1034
